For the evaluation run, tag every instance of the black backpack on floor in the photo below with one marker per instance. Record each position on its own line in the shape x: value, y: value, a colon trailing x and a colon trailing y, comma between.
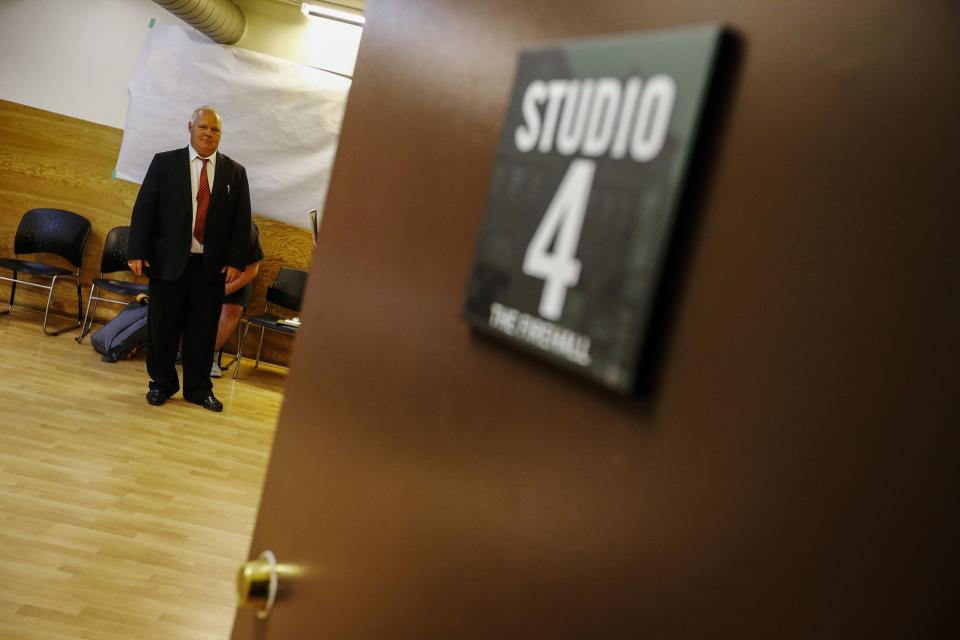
x: 124, y: 336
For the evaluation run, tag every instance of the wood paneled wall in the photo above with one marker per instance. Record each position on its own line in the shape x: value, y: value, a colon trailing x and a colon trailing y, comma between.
x: 51, y: 160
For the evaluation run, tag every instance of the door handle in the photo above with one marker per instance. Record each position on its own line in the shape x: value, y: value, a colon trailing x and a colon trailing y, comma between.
x: 258, y: 582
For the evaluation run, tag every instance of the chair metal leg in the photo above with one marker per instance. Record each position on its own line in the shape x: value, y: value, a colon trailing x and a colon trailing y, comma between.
x: 220, y: 360
x: 46, y: 312
x: 93, y: 312
x: 240, y: 341
x: 263, y: 330
x: 13, y: 291
x: 79, y: 300
x: 85, y: 327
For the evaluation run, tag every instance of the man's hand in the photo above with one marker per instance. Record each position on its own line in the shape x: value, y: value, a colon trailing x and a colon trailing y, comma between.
x: 232, y: 273
x: 137, y: 266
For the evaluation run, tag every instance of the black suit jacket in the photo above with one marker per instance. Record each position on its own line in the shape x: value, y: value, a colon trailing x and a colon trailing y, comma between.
x: 162, y: 222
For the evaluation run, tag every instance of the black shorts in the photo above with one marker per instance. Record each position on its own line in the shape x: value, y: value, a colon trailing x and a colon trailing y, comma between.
x: 240, y: 296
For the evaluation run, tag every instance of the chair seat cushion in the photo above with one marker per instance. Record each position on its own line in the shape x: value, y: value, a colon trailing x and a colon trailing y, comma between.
x: 33, y: 268
x: 121, y: 286
x: 270, y: 321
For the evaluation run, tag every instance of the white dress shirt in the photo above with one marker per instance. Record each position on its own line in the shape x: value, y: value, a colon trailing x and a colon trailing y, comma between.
x: 196, y: 164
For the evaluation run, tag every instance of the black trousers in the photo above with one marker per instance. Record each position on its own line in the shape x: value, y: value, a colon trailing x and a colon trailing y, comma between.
x: 187, y: 307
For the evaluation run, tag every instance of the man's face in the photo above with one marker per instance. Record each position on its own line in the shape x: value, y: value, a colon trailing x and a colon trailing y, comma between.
x: 205, y: 133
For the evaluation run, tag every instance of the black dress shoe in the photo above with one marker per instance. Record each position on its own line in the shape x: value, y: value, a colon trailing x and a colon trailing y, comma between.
x: 156, y: 397
x: 210, y: 402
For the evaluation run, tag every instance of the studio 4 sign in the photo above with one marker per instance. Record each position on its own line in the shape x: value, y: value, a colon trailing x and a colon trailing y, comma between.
x: 595, y: 117
x: 590, y: 170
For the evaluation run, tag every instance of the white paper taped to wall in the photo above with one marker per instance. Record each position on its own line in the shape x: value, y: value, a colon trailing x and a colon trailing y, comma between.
x: 281, y: 120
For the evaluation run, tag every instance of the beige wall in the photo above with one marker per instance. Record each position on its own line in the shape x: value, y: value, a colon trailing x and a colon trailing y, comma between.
x: 72, y: 57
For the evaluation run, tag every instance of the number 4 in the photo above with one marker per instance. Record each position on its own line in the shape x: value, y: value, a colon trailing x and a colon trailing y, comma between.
x: 563, y: 221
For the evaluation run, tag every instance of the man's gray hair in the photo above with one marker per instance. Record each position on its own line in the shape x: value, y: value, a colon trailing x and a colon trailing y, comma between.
x: 204, y: 109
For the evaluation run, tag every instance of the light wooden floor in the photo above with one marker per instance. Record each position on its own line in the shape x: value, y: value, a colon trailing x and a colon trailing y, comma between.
x: 119, y: 520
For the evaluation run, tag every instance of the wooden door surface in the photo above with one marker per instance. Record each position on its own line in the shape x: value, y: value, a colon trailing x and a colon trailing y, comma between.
x: 791, y: 474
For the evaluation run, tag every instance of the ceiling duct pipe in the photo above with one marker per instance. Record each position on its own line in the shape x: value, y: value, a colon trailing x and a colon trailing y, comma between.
x: 220, y: 20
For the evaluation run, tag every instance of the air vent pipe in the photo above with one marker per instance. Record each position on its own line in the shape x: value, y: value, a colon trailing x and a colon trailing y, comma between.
x: 219, y: 20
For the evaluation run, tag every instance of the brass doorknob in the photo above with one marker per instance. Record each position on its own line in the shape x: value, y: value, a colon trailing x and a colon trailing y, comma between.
x: 258, y: 582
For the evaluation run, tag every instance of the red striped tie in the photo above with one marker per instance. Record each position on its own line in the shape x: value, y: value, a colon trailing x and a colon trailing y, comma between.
x: 203, y: 203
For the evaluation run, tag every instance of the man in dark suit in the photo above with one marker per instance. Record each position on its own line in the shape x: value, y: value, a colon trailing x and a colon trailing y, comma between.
x: 189, y: 233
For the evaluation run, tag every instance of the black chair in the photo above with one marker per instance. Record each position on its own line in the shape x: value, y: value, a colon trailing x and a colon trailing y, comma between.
x: 287, y: 292
x: 52, y: 231
x: 113, y: 260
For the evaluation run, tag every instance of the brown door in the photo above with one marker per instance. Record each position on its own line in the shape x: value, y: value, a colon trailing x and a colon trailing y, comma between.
x: 793, y: 472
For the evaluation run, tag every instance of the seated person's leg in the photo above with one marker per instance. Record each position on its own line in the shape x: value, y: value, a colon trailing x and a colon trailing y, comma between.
x: 230, y: 311
x: 229, y: 318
